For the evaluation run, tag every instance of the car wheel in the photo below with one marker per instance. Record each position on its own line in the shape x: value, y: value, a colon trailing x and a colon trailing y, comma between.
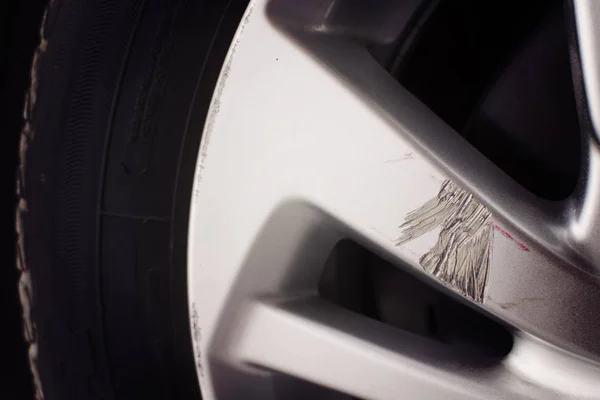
x: 316, y: 199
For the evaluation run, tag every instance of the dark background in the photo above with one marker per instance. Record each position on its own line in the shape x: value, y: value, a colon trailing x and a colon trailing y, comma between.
x: 19, y: 35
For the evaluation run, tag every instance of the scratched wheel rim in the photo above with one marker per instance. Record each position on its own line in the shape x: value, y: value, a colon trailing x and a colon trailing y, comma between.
x: 309, y: 142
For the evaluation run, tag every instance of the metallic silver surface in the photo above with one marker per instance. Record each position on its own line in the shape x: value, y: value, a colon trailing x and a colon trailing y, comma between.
x: 311, y: 339
x: 308, y: 142
x: 461, y: 255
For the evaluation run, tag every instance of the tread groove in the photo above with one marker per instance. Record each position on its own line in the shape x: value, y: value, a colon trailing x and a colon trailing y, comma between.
x: 136, y: 217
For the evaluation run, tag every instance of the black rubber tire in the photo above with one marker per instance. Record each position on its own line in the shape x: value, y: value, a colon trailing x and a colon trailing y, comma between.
x: 119, y: 93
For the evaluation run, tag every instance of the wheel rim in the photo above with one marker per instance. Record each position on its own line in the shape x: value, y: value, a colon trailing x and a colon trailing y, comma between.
x: 309, y: 141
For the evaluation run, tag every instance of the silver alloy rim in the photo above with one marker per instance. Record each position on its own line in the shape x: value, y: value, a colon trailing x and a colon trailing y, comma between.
x: 309, y: 141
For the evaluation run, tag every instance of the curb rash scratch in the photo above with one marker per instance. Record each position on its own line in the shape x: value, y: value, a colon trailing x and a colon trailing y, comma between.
x: 461, y: 256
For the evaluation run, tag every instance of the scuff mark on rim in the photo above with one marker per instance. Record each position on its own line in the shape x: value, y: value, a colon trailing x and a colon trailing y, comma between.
x: 215, y: 105
x: 197, y: 338
x: 462, y: 253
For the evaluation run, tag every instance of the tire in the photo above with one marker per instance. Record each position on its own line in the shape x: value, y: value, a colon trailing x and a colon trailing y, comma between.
x: 113, y: 118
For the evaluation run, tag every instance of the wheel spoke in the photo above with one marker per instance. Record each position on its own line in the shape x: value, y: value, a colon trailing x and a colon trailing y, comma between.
x: 369, y: 172
x: 315, y: 341
x: 376, y: 182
